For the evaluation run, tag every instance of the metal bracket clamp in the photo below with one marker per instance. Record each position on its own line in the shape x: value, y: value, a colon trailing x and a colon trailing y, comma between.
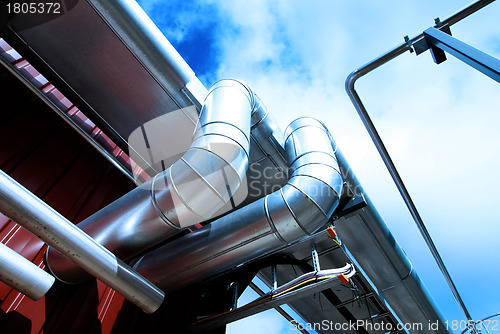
x: 441, y: 42
x: 438, y: 55
x: 315, y: 258
x: 409, y: 43
x: 420, y: 45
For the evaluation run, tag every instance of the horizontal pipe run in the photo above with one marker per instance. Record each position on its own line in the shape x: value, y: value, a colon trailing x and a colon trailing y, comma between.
x: 20, y: 205
x: 23, y: 275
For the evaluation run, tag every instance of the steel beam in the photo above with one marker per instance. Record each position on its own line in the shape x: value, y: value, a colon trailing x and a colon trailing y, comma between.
x: 280, y: 310
x: 473, y: 57
x: 257, y: 306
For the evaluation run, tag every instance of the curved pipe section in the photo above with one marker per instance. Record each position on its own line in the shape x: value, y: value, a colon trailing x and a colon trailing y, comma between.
x: 384, y: 154
x: 23, y: 275
x: 192, y: 190
x: 286, y: 216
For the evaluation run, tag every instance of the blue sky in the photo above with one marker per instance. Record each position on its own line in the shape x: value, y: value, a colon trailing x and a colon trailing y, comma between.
x: 439, y: 123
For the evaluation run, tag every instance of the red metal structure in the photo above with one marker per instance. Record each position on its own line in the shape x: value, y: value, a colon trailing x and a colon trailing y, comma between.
x: 41, y: 151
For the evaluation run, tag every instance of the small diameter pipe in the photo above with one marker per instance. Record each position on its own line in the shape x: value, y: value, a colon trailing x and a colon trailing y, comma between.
x: 20, y: 205
x: 23, y: 275
x: 370, y: 127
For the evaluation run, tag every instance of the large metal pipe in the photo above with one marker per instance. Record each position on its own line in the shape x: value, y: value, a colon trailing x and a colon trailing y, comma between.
x: 286, y: 216
x: 20, y: 205
x: 191, y: 191
x: 23, y: 275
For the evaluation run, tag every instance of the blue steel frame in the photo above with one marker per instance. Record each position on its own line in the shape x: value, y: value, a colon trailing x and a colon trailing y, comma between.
x: 477, y: 59
x: 419, y: 44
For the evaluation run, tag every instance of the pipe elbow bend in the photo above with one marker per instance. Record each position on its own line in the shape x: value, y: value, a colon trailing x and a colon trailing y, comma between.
x: 313, y: 191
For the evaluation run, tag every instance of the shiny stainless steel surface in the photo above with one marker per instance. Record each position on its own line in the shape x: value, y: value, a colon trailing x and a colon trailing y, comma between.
x: 381, y: 259
x: 125, y: 227
x: 23, y: 275
x: 286, y: 216
x: 20, y: 205
x: 340, y: 305
x: 112, y: 62
x: 267, y: 171
x: 192, y: 190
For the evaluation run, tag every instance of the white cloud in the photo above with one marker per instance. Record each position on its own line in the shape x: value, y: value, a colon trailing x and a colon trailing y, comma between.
x: 438, y: 122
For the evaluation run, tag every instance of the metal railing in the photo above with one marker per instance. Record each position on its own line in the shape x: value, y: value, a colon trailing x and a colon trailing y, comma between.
x: 418, y: 44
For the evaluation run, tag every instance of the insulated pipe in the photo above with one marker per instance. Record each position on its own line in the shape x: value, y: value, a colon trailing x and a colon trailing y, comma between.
x: 286, y: 216
x: 191, y: 191
x: 23, y: 275
x: 20, y: 205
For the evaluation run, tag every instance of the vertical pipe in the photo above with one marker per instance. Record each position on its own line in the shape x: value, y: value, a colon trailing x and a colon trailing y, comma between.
x: 23, y: 275
x: 20, y: 205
